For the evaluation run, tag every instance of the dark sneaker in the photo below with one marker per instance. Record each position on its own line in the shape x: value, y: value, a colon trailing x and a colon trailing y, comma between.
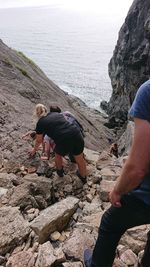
x: 60, y: 172
x: 88, y: 257
x: 83, y: 179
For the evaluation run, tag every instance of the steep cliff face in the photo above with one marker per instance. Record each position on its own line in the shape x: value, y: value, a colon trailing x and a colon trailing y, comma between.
x: 130, y: 64
x: 22, y: 86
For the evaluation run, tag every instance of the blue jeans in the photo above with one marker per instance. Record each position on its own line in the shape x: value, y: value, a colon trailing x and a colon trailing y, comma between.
x: 114, y: 223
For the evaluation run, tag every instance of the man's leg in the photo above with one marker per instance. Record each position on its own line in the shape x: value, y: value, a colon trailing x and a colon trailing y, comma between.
x: 114, y: 223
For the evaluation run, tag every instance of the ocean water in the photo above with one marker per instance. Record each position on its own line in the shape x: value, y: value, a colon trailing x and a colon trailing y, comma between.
x: 72, y: 48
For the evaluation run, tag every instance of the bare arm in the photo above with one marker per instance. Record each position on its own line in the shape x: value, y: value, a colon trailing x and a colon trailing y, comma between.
x: 26, y: 135
x: 137, y: 164
x: 38, y: 142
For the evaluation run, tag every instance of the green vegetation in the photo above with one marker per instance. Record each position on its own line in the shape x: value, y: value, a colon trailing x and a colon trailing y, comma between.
x: 8, y: 63
x: 24, y: 72
x: 26, y: 58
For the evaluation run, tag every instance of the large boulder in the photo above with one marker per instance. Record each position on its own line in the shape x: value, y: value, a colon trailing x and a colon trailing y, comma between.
x: 54, y: 218
x: 35, y: 191
x: 14, y: 229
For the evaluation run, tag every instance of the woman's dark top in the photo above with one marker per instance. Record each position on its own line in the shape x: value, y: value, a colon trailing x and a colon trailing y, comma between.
x: 56, y: 127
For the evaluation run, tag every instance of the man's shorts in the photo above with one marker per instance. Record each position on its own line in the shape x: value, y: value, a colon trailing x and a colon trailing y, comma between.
x: 73, y: 145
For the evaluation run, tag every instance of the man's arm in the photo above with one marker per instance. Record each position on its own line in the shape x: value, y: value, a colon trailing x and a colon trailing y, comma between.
x: 38, y: 142
x: 137, y: 164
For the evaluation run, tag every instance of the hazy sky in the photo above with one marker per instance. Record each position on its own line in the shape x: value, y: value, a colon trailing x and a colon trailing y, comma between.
x: 98, y: 6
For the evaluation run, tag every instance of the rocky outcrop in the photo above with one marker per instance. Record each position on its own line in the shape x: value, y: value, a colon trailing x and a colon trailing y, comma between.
x: 67, y: 227
x: 33, y: 192
x: 129, y: 66
x: 23, y: 85
x: 14, y: 229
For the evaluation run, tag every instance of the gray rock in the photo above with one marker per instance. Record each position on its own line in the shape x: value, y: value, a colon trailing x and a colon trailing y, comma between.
x: 92, y: 220
x: 45, y: 256
x: 126, y: 138
x: 110, y: 172
x: 105, y: 188
x: 22, y: 259
x: 75, y: 245
x: 104, y: 160
x: 34, y: 192
x: 72, y: 264
x: 14, y: 229
x: 129, y: 66
x: 3, y: 191
x: 6, y: 179
x: 91, y: 156
x: 54, y: 218
x: 129, y: 258
x: 59, y: 254
x: 93, y: 207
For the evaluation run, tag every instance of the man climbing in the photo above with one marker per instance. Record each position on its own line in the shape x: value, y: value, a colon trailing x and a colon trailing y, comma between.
x: 130, y: 197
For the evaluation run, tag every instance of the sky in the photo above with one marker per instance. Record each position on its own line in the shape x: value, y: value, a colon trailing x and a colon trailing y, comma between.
x: 97, y: 6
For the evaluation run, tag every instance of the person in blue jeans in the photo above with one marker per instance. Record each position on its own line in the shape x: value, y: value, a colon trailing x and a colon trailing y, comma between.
x: 130, y: 198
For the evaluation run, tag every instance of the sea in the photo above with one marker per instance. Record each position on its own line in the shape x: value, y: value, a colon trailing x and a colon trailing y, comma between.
x: 72, y: 48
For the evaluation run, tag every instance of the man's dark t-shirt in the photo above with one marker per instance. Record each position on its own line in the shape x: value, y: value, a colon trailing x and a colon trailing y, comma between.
x: 56, y: 127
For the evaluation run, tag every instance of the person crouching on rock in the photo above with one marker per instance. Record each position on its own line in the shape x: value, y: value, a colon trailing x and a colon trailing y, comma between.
x: 66, y: 136
x: 114, y: 150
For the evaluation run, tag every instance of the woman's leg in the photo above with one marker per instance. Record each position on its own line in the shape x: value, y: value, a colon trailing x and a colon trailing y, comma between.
x: 58, y: 161
x: 81, y: 164
x: 59, y: 165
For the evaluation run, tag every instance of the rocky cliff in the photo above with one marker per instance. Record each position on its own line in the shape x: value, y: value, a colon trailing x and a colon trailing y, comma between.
x: 130, y: 64
x: 22, y: 86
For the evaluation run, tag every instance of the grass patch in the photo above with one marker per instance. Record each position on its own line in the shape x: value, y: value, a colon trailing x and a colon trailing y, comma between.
x: 26, y: 58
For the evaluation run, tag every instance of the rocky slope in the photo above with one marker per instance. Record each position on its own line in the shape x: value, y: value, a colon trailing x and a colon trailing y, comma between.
x: 47, y: 222
x: 22, y: 86
x: 129, y: 66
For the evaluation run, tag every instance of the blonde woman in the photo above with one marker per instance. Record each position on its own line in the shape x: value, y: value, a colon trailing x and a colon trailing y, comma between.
x: 67, y: 137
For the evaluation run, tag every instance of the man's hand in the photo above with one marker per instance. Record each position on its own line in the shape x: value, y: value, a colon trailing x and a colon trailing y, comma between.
x: 115, y: 198
x: 32, y: 152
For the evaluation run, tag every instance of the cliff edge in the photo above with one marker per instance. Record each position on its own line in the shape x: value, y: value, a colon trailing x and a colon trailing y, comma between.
x: 129, y: 66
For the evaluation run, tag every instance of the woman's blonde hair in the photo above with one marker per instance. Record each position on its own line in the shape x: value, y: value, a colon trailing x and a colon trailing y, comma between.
x: 40, y: 111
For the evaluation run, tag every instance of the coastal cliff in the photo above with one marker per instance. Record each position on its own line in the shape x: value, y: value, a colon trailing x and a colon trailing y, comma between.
x: 130, y: 65
x: 46, y: 220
